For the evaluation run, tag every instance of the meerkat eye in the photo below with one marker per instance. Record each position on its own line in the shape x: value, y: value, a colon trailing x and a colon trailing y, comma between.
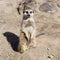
x: 27, y: 12
x: 31, y: 12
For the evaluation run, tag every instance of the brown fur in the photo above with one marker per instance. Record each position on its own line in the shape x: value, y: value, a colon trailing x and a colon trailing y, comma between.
x: 22, y: 41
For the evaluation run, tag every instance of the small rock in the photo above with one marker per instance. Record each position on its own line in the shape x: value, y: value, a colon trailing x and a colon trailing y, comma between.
x: 50, y: 56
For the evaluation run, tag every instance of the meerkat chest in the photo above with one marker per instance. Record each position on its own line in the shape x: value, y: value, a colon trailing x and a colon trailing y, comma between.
x: 28, y: 23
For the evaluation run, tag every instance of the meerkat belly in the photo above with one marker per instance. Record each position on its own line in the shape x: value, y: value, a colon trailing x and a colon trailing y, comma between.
x: 28, y: 26
x: 29, y: 29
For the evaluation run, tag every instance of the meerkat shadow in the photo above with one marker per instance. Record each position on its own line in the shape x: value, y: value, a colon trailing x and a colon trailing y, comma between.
x: 12, y: 39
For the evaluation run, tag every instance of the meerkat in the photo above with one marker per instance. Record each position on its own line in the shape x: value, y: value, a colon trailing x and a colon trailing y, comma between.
x: 28, y: 30
x: 28, y: 25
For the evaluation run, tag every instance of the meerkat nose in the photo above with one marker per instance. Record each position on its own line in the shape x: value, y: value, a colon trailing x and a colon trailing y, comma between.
x: 28, y: 14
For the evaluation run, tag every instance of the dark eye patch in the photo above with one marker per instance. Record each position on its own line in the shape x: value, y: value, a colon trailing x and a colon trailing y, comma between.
x: 27, y: 12
x: 31, y: 12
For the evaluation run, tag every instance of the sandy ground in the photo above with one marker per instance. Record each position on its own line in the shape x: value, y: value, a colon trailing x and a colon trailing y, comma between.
x: 48, y: 43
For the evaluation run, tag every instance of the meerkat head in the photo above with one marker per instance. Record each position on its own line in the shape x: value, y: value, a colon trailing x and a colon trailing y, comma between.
x: 28, y: 12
